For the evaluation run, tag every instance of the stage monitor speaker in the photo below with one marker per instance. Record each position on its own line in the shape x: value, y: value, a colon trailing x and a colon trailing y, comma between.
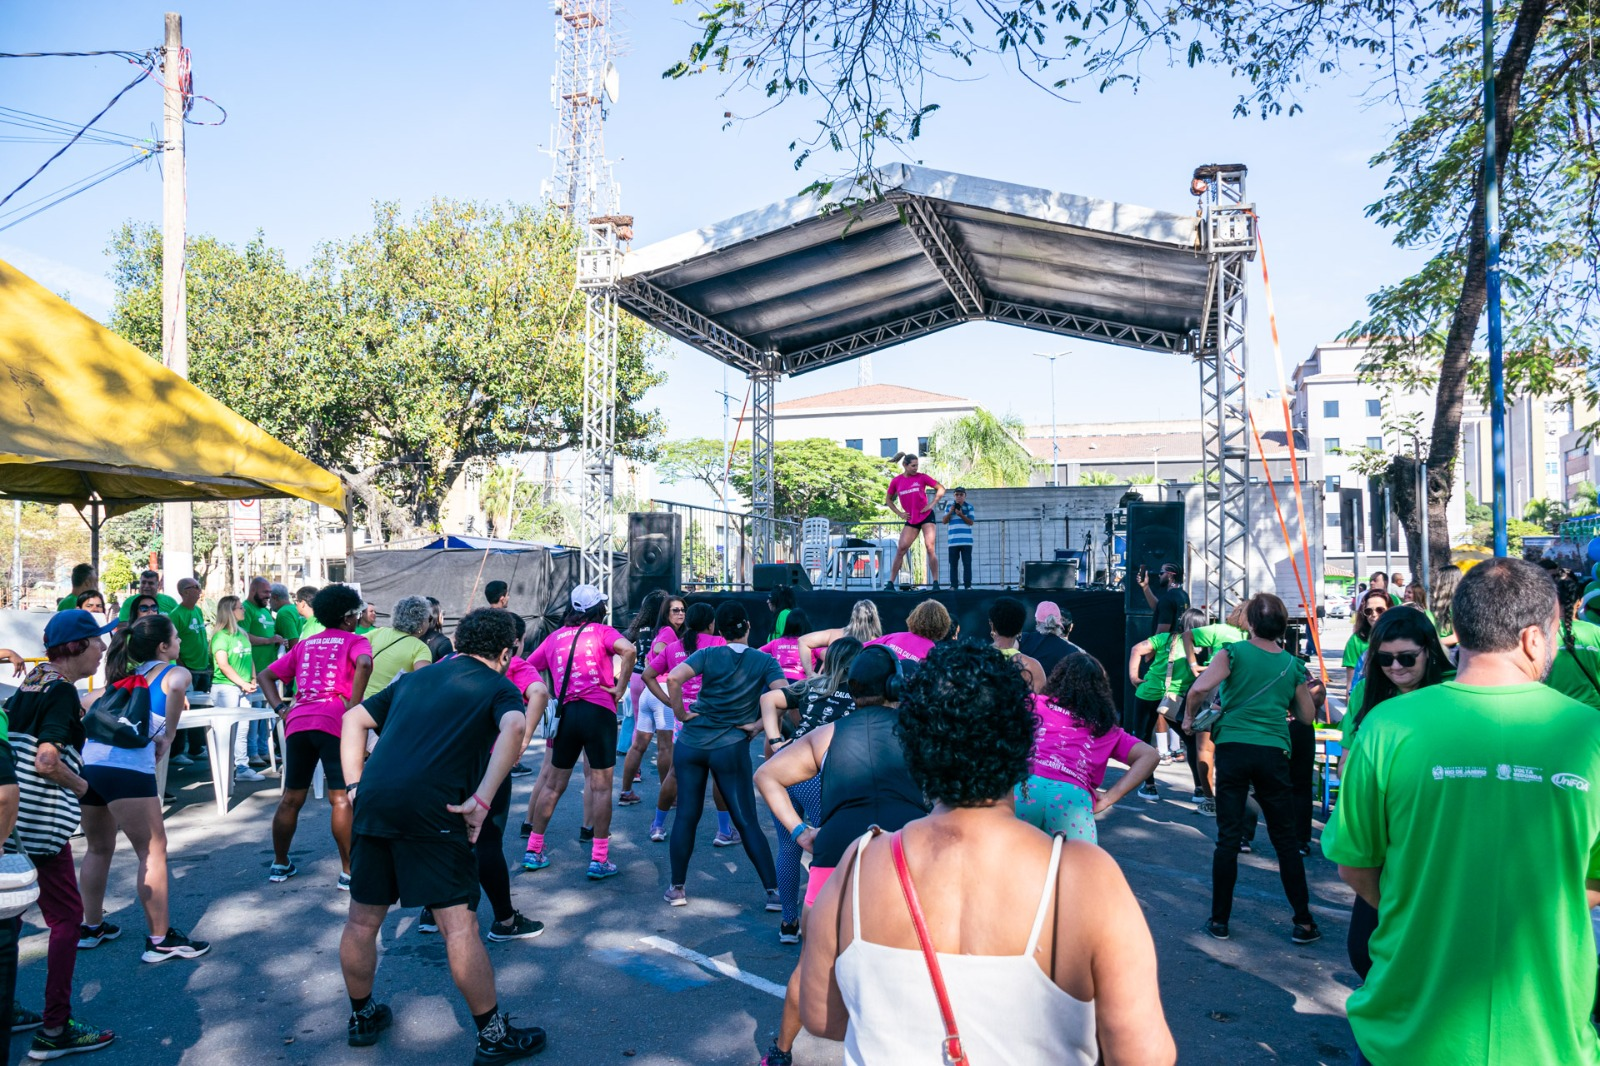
x: 655, y: 554
x: 1059, y: 574
x: 1155, y: 537
x: 765, y: 577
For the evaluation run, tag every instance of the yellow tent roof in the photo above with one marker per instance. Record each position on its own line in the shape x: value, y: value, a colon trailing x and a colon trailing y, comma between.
x: 87, y: 412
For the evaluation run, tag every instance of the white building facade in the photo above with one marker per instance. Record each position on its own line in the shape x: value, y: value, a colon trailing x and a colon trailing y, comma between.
x: 880, y: 420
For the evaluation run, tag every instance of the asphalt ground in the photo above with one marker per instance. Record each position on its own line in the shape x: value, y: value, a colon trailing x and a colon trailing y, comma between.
x: 618, y: 976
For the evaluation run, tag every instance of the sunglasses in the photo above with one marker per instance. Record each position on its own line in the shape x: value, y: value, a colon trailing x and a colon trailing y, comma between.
x: 1374, y: 611
x: 145, y: 608
x: 676, y: 610
x: 1404, y: 659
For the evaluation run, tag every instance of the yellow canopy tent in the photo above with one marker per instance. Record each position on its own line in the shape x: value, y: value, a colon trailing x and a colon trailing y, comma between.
x: 92, y: 421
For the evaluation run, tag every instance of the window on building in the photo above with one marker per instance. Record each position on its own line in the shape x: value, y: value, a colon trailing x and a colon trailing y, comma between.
x: 1332, y: 483
x: 1374, y: 408
x: 1330, y: 408
x: 1330, y: 445
x: 853, y: 442
x: 922, y: 445
x: 1375, y: 443
x: 888, y: 447
x: 1333, y: 519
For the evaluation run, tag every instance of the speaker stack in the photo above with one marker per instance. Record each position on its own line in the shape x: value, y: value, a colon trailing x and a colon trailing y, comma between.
x: 1155, y: 537
x: 764, y: 577
x: 655, y: 553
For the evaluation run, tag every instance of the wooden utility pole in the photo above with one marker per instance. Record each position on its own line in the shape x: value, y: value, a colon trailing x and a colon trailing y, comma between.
x: 177, y: 521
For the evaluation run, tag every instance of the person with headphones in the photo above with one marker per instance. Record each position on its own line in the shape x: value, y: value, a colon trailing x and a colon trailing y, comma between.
x: 865, y: 783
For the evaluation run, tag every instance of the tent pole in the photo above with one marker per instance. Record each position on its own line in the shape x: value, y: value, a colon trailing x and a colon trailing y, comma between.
x: 94, y: 535
x: 349, y: 548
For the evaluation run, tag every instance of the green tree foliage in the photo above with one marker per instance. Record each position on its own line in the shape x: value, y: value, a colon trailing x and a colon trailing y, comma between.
x: 401, y: 355
x: 1585, y: 500
x: 117, y: 573
x: 817, y: 478
x: 980, y: 450
x: 1098, y: 477
x: 1547, y: 514
x: 698, y: 459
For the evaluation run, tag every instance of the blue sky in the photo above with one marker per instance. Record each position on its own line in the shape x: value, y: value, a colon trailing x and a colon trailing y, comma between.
x: 334, y: 106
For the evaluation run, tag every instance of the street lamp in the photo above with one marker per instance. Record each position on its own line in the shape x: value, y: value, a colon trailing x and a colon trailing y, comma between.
x: 1055, y: 442
x: 1156, y: 460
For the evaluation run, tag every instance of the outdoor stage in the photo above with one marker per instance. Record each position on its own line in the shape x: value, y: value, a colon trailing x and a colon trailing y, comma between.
x: 1098, y: 617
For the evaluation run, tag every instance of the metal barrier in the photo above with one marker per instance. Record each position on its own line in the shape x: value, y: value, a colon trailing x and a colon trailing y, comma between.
x: 1000, y: 547
x: 718, y: 545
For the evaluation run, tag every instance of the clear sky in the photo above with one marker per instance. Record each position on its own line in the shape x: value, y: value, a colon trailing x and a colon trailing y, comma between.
x: 332, y: 106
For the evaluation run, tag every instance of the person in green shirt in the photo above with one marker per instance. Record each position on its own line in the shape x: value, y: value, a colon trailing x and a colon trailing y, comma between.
x: 286, y: 621
x: 1201, y: 644
x: 149, y: 585
x: 261, y: 625
x: 1469, y: 817
x: 398, y: 649
x: 1369, y: 609
x: 368, y: 620
x: 84, y: 579
x: 1260, y: 684
x: 194, y: 655
x: 1576, y: 670
x: 233, y: 661
x: 1164, y: 683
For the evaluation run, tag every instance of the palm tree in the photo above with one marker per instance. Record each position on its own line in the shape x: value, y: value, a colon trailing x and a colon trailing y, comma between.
x: 980, y: 450
x: 1585, y: 500
x: 1547, y: 513
x: 1098, y: 477
x: 1142, y: 479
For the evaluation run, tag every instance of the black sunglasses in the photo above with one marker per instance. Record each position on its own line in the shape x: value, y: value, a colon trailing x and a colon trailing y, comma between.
x: 1373, y: 610
x: 149, y: 608
x: 1405, y: 659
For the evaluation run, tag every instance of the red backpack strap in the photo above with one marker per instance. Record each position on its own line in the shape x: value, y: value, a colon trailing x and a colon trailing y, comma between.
x: 954, y: 1055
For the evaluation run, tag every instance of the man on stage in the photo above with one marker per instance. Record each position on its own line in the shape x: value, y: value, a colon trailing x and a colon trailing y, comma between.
x: 958, y: 537
x: 908, y: 498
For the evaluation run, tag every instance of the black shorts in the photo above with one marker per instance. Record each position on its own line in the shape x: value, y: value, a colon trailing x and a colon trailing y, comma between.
x: 589, y: 728
x: 919, y: 525
x: 107, y: 783
x: 301, y: 753
x: 437, y: 872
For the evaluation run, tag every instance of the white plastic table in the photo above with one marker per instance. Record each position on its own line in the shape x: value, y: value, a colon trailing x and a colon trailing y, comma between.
x: 221, y: 725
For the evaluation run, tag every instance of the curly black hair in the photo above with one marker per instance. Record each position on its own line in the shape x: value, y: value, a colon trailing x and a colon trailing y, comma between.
x: 486, y: 633
x: 1079, y: 686
x: 334, y: 604
x: 967, y: 724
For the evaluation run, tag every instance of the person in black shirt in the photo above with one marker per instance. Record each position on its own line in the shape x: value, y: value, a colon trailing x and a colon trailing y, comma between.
x: 1171, y: 602
x: 447, y: 737
x: 435, y: 637
x: 1051, y: 639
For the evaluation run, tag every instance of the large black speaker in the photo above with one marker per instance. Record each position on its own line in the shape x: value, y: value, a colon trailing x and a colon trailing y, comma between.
x: 764, y: 577
x: 1057, y: 574
x: 655, y: 554
x: 1350, y: 521
x: 1155, y: 536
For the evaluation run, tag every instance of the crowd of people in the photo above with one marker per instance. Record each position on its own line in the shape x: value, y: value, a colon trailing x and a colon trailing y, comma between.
x: 1469, y: 755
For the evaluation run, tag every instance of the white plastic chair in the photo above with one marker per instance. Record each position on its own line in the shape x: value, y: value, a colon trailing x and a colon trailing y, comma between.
x: 814, y: 547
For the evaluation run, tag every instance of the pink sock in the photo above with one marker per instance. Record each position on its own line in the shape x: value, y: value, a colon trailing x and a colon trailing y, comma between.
x: 600, y: 849
x: 535, y: 841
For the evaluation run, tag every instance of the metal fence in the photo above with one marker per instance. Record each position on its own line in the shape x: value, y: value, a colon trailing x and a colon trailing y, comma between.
x: 1000, y: 547
x: 718, y: 545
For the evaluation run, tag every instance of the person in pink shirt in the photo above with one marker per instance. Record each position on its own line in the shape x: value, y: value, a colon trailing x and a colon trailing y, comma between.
x: 587, y: 687
x: 786, y: 648
x: 652, y: 718
x: 908, y: 498
x: 1078, y: 734
x: 927, y: 624
x: 330, y: 671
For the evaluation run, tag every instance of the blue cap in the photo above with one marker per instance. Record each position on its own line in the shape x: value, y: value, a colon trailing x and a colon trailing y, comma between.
x: 68, y: 626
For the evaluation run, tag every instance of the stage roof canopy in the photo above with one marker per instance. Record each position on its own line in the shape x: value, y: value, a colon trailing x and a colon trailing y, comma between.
x: 931, y: 250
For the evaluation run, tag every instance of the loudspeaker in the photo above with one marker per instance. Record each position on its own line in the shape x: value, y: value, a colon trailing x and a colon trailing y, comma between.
x: 1350, y: 521
x: 655, y: 554
x: 767, y: 576
x: 1060, y: 574
x: 1155, y: 536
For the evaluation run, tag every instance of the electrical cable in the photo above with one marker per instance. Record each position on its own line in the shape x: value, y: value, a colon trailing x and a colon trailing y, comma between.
x: 12, y: 116
x: 122, y: 53
x: 113, y: 171
x: 87, y: 181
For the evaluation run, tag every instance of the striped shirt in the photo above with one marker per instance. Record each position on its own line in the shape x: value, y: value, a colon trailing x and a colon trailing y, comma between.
x: 957, y: 532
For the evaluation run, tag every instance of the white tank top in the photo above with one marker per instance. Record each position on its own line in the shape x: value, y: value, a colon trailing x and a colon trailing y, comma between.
x: 1008, y: 1010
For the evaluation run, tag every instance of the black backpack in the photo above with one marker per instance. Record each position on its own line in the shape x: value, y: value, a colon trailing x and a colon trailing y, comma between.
x: 121, y: 717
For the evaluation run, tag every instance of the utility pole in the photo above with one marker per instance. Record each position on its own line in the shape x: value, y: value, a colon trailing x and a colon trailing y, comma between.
x: 1055, y: 441
x: 177, y: 528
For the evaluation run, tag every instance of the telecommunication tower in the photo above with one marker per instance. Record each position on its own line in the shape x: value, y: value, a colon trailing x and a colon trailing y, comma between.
x: 584, y: 86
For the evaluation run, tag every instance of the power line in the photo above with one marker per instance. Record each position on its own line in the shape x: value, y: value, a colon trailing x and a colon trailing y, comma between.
x: 105, y: 175
x: 131, y: 57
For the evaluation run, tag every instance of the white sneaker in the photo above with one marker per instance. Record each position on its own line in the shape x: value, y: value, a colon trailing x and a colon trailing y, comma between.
x: 181, y: 760
x: 244, y: 773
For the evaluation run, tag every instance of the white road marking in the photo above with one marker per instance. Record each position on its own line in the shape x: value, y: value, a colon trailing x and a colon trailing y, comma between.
x: 726, y: 969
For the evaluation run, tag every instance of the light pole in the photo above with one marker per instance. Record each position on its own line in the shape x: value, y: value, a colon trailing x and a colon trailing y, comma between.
x: 1055, y: 441
x: 1156, y: 460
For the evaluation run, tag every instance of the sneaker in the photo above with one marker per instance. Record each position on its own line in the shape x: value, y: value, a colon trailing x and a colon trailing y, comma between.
x: 1305, y: 851
x: 75, y: 1037
x: 585, y: 834
x: 629, y: 798
x: 500, y: 1041
x: 521, y: 770
x: 888, y: 586
x: 658, y: 833
x: 244, y: 773
x: 1166, y: 759
x: 789, y: 933
x: 726, y: 840
x: 599, y: 871
x: 1148, y: 792
x: 1244, y: 849
x: 1218, y: 930
x: 426, y: 923
x: 23, y: 1019
x: 92, y: 936
x: 180, y: 760
x: 676, y: 896
x: 535, y: 860
x: 367, y: 1023
x: 517, y: 928
x: 258, y: 761
x: 1207, y: 808
x: 773, y: 903
x: 278, y: 873
x: 173, y: 946
x: 1198, y: 797
x: 935, y: 586
x: 1306, y: 934
x: 344, y: 882
x: 638, y: 775
x: 775, y: 1057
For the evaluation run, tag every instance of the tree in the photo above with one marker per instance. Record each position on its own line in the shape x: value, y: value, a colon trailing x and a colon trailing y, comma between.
x: 980, y: 450
x: 402, y: 355
x: 1142, y: 479
x: 1585, y: 500
x: 1548, y: 514
x: 697, y: 459
x: 867, y: 63
x: 818, y: 478
x: 1098, y: 477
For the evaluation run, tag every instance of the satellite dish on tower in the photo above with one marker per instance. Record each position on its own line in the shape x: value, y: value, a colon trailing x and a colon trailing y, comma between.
x: 611, y: 82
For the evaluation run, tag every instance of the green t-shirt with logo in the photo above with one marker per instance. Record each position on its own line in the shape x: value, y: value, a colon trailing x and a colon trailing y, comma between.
x: 260, y: 622
x: 287, y: 623
x: 1155, y: 683
x: 233, y: 648
x: 1354, y: 650
x: 1482, y: 806
x: 1216, y: 635
x: 165, y: 602
x: 1257, y: 696
x: 194, y: 647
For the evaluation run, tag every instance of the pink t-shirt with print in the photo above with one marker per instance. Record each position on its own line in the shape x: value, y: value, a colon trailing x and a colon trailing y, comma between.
x: 911, y: 491
x: 906, y: 646
x: 323, y: 668
x: 1066, y: 750
x: 670, y: 654
x: 787, y: 651
x: 593, y: 674
x: 521, y: 673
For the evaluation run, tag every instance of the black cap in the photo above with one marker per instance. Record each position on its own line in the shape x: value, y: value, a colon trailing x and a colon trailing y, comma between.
x: 958, y: 488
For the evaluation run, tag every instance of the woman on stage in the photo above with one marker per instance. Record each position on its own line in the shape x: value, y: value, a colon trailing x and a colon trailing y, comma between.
x: 908, y: 498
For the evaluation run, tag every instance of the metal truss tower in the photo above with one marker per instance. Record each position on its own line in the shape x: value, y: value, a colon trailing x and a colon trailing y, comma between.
x: 1228, y: 235
x: 584, y: 85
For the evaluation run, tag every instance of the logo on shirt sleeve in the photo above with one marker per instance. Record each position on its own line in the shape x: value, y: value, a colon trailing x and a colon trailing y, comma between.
x: 1564, y: 780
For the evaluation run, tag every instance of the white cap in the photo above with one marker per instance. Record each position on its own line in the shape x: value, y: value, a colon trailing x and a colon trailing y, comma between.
x: 584, y: 597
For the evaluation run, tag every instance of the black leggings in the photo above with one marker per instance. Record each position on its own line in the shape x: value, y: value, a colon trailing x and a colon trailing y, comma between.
x: 493, y: 874
x: 1239, y: 766
x: 1144, y: 719
x: 730, y: 767
x: 1302, y: 771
